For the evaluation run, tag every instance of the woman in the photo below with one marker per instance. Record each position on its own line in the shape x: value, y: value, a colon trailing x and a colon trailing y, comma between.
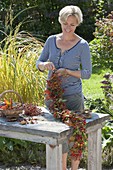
x: 69, y: 55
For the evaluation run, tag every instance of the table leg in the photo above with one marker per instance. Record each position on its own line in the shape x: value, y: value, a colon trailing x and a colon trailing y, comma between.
x: 94, y: 150
x: 54, y: 157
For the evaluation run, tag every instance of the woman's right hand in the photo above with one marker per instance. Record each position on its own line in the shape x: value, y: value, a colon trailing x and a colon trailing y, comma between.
x: 46, y: 66
x: 49, y: 66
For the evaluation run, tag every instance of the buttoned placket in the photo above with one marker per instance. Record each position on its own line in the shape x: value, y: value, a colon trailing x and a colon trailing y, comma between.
x: 61, y: 58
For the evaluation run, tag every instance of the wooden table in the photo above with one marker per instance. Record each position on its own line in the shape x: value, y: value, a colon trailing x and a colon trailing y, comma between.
x: 52, y: 132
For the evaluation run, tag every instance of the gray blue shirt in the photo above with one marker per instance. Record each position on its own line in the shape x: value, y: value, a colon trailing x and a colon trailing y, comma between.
x: 76, y: 58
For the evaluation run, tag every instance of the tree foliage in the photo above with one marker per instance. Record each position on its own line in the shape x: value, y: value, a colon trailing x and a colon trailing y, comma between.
x: 40, y: 17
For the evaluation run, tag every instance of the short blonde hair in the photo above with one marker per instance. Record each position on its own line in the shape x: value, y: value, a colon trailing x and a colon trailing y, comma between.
x: 70, y: 10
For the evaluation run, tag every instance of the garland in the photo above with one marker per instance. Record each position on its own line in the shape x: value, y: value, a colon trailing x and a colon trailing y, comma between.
x: 78, y: 139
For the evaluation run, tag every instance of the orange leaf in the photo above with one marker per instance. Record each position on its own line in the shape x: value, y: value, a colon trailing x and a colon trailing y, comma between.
x: 47, y: 92
x: 4, y: 107
x: 7, y: 102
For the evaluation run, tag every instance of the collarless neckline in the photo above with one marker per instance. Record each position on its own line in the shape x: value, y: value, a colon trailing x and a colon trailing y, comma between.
x: 69, y: 48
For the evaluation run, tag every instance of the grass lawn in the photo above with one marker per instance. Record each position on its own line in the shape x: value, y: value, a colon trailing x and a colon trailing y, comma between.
x: 91, y: 87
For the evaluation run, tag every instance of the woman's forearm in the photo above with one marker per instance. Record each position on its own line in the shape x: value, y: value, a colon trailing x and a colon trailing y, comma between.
x: 73, y: 73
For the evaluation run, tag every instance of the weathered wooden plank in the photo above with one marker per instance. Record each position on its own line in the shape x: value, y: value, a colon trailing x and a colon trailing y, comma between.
x: 99, y: 150
x: 43, y: 127
x: 94, y: 150
x: 54, y: 157
x: 47, y: 126
x: 32, y: 138
x: 97, y: 118
x: 93, y: 128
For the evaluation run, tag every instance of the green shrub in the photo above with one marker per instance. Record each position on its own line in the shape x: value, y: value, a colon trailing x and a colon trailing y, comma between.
x: 15, y: 152
x: 102, y: 46
x: 107, y: 144
x: 107, y: 87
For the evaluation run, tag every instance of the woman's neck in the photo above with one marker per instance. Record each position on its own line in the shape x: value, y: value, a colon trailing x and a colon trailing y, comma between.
x: 64, y: 37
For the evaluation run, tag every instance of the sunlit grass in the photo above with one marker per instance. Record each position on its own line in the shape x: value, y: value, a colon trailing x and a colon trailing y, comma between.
x: 92, y: 87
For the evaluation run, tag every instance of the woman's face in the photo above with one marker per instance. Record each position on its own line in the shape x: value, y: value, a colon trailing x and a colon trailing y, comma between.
x: 69, y: 26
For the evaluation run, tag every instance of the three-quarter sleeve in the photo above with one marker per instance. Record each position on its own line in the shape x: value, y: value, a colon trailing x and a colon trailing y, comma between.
x: 44, y: 54
x: 86, y: 63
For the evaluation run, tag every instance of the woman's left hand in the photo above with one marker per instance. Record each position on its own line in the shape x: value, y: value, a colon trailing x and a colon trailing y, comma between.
x: 62, y: 72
